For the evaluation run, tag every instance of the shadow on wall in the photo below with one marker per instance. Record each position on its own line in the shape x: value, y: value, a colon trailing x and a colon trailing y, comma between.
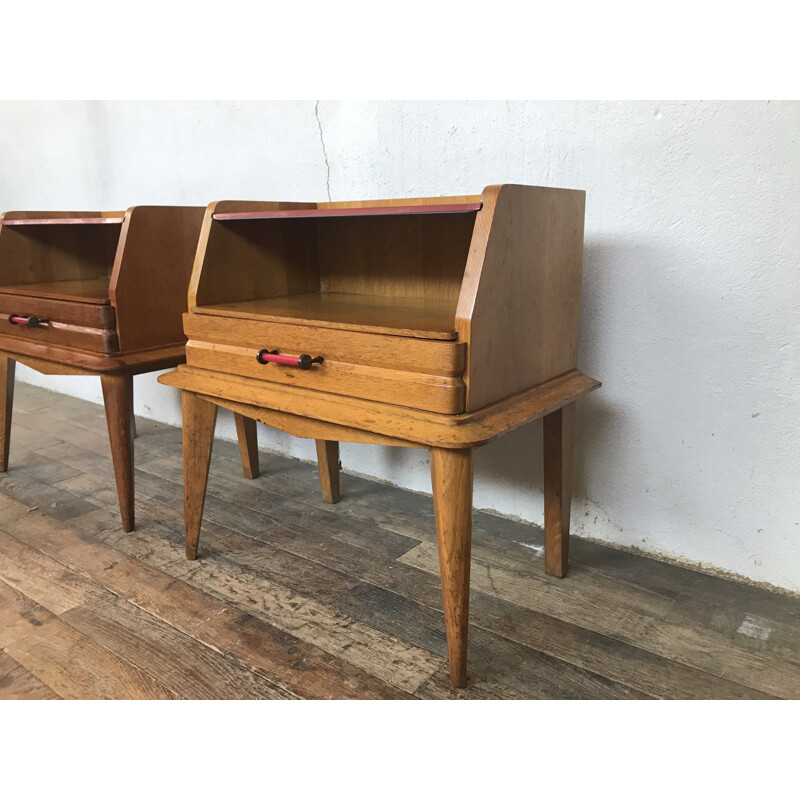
x: 508, y: 470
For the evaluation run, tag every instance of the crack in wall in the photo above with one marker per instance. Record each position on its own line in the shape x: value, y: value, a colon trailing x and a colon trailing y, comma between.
x: 324, y: 151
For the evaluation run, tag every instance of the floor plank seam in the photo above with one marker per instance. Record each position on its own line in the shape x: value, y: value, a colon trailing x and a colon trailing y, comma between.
x: 88, y: 577
x: 365, y: 578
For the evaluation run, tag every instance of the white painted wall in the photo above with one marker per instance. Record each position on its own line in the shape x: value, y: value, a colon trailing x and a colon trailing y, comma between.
x: 690, y: 295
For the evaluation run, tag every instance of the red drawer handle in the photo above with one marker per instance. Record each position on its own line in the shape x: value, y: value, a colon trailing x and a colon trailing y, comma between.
x: 303, y: 362
x: 30, y: 321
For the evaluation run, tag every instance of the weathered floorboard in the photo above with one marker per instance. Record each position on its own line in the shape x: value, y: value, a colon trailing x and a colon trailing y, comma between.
x: 16, y: 683
x: 295, y: 597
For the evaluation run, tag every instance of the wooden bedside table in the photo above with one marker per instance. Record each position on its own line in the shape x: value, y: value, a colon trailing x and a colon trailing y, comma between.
x: 435, y: 323
x: 97, y: 293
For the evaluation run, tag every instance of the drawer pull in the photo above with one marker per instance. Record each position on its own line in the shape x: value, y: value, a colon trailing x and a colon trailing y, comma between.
x: 30, y: 321
x: 303, y: 362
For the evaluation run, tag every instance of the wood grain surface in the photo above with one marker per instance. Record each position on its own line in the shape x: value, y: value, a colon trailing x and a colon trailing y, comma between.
x: 421, y: 318
x: 295, y: 597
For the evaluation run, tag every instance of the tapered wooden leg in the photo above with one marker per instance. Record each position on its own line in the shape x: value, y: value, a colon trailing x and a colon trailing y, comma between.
x: 130, y: 405
x: 199, y: 418
x: 559, y: 432
x: 7, y: 369
x: 328, y: 460
x: 451, y: 476
x: 117, y: 395
x: 247, y: 434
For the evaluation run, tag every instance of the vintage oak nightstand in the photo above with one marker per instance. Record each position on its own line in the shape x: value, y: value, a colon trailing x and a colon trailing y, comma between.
x: 97, y: 293
x: 436, y: 323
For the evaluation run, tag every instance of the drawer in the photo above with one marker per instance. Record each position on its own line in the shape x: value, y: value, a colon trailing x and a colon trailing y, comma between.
x: 84, y: 326
x: 412, y: 372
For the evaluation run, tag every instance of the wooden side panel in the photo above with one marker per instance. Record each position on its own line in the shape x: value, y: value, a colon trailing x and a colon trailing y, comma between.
x: 151, y: 274
x: 249, y: 259
x: 520, y: 302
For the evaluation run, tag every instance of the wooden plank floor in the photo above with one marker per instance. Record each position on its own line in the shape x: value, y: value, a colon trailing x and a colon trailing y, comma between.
x: 292, y: 597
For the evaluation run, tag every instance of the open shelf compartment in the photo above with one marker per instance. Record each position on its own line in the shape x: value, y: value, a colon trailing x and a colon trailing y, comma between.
x: 59, y: 255
x: 391, y: 267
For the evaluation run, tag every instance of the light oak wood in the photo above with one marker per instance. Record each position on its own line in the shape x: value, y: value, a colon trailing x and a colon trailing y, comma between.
x: 7, y: 369
x: 328, y: 460
x: 118, y: 399
x: 420, y: 318
x: 399, y: 422
x: 247, y: 259
x: 451, y: 477
x: 402, y: 353
x: 306, y: 428
x: 437, y: 323
x: 558, y: 445
x: 414, y: 258
x: 519, y: 304
x: 199, y: 418
x: 441, y: 394
x: 247, y: 434
x: 88, y: 290
x: 238, y: 261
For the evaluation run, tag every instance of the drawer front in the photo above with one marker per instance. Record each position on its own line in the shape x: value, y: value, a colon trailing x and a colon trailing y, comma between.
x: 417, y: 373
x: 78, y: 325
